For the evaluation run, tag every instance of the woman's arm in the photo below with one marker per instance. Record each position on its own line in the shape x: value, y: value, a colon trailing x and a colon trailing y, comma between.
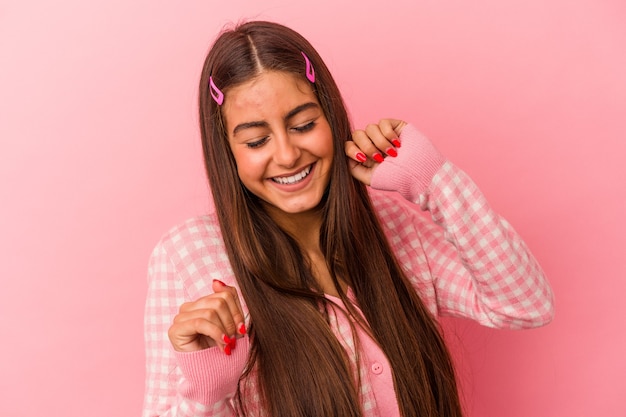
x: 478, y: 266
x: 194, y: 383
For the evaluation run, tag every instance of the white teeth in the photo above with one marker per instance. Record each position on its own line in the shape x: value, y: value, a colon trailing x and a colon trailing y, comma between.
x: 294, y: 178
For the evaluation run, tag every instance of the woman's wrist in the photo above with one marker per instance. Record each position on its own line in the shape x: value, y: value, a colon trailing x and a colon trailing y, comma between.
x: 411, y: 172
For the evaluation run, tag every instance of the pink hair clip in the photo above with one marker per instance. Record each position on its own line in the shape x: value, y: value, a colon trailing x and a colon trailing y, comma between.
x: 216, y: 93
x: 310, y: 72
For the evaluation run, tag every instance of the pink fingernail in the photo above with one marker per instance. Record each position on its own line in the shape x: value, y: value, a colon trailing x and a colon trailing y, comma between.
x: 391, y: 152
x: 396, y: 143
x: 360, y: 156
x: 220, y: 282
x: 378, y: 157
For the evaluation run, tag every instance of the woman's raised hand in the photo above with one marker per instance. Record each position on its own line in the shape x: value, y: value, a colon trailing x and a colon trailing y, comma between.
x: 370, y: 146
x: 213, y: 320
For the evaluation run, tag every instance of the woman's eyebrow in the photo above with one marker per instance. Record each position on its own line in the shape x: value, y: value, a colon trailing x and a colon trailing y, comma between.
x: 248, y: 125
x: 301, y: 108
x: 291, y: 114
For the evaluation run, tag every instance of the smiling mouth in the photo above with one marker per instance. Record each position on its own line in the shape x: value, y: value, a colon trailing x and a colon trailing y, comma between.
x: 294, y: 178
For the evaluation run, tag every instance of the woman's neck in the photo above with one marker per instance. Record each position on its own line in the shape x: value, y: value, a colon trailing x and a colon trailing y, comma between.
x: 305, y: 229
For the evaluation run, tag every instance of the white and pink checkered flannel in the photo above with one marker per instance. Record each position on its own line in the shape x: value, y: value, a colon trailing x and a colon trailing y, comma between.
x: 468, y: 262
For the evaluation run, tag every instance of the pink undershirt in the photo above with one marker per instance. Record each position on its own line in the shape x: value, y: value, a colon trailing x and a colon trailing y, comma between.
x: 377, y: 365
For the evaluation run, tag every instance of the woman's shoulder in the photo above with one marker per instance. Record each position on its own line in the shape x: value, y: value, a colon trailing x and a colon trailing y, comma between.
x: 197, y: 236
x: 193, y: 252
x: 192, y: 228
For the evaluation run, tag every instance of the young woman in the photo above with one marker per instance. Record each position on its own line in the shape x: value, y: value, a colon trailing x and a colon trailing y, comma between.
x: 313, y: 289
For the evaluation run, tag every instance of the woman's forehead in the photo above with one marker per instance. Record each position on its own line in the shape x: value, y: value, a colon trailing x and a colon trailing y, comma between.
x: 270, y: 94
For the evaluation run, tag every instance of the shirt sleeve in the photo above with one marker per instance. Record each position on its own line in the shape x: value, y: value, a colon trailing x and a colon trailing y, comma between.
x: 195, y: 384
x: 478, y: 265
x: 481, y: 267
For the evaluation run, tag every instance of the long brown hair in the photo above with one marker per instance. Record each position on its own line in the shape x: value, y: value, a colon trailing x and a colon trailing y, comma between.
x: 300, y: 366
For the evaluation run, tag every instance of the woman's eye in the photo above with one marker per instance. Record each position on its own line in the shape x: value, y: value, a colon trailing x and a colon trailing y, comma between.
x: 257, y: 143
x: 304, y: 128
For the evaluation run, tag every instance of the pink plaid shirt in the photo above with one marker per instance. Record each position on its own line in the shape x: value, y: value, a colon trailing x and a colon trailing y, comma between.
x: 468, y: 262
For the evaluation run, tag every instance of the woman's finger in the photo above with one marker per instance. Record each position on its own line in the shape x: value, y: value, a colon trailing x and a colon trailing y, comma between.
x: 391, y: 129
x: 196, y: 333
x: 356, y: 154
x: 361, y: 167
x: 234, y: 304
x: 362, y: 140
x: 220, y: 305
x: 382, y: 142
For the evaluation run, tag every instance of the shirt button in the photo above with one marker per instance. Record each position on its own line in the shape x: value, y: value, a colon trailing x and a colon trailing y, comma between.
x: 377, y: 368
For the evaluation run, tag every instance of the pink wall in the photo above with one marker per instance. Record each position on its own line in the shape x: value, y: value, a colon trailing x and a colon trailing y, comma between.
x: 99, y: 156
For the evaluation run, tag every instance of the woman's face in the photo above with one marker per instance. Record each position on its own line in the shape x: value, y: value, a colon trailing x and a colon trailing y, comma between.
x: 280, y: 139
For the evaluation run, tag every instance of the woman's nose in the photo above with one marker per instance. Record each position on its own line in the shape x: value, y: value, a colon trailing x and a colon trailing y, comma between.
x: 286, y: 152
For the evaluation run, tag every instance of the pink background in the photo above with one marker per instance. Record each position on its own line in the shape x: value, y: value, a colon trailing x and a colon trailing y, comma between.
x: 100, y: 155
